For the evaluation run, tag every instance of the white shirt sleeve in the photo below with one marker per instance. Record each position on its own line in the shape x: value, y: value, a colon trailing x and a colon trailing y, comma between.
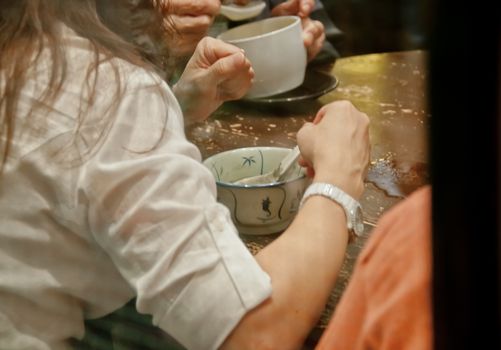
x: 152, y: 207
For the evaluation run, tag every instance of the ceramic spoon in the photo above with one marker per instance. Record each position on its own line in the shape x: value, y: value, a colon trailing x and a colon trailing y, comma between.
x: 277, y: 174
x: 240, y: 13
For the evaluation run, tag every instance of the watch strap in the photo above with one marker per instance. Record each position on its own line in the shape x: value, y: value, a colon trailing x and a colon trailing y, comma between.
x: 337, y: 195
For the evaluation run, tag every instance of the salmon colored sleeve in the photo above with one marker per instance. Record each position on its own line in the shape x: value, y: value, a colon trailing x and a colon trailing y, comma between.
x: 387, y: 304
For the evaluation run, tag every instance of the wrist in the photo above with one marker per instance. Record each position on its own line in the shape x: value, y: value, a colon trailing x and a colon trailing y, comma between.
x: 348, y: 184
x: 352, y: 208
x: 185, y: 103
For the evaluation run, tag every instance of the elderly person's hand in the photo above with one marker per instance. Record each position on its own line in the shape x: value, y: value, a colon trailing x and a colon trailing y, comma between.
x: 189, y: 22
x: 236, y: 2
x: 216, y: 72
x: 313, y: 31
x: 301, y: 8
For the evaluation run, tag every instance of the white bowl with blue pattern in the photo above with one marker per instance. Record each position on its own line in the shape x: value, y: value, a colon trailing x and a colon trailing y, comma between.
x: 258, y: 209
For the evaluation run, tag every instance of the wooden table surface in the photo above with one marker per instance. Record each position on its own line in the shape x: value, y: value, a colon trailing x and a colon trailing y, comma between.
x: 390, y: 88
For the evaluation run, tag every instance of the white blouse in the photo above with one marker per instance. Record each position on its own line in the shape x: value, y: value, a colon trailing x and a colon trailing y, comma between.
x: 139, y: 218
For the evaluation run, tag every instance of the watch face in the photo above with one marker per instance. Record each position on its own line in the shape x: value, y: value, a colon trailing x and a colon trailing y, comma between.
x: 358, y: 225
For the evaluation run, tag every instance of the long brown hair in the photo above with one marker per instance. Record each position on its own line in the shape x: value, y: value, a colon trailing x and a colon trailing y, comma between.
x: 143, y: 23
x: 29, y: 26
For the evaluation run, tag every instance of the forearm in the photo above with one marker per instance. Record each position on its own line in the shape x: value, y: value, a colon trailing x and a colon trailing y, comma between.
x: 182, y: 97
x: 303, y: 267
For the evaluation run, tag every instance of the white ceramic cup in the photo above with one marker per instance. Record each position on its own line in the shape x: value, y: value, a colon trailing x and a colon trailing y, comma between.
x: 275, y: 48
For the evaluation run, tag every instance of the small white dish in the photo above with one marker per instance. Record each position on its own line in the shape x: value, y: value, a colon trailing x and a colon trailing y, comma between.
x: 240, y: 13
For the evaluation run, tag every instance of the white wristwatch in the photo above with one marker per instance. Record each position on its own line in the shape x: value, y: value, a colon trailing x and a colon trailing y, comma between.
x: 352, y: 209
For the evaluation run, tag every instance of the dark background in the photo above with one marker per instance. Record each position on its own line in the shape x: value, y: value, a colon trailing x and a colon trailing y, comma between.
x: 372, y: 26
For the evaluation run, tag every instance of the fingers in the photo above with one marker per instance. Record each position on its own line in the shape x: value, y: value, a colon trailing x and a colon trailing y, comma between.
x: 216, y: 72
x: 320, y: 114
x: 234, y: 75
x: 227, y: 66
x: 241, y: 2
x: 193, y: 7
x: 188, y: 22
x: 301, y: 8
x: 305, y: 8
x: 187, y: 33
x: 313, y: 36
x: 310, y: 172
x: 302, y: 161
x: 303, y: 137
x: 288, y: 8
x: 337, y: 148
x: 214, y: 49
x: 314, y: 49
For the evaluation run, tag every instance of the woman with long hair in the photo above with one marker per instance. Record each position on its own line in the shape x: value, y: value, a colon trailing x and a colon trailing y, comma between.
x: 102, y: 198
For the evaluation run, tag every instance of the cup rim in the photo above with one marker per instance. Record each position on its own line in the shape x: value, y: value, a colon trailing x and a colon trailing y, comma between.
x: 273, y: 32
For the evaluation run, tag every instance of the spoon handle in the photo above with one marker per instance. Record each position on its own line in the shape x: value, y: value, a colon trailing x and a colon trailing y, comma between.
x: 286, y: 163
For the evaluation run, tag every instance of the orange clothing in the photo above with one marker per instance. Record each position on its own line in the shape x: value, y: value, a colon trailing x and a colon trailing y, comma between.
x: 387, y: 304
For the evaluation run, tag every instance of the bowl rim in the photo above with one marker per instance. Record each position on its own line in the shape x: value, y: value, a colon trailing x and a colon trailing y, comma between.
x: 250, y: 186
x: 255, y: 23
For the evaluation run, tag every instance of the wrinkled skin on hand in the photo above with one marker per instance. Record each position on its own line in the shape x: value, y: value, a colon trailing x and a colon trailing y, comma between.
x: 217, y: 72
x: 301, y: 8
x: 187, y: 22
x: 239, y: 2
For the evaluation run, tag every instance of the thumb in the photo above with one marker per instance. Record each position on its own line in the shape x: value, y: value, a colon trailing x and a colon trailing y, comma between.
x: 320, y: 115
x: 290, y: 7
x: 304, y: 136
x: 211, y: 50
x: 225, y: 67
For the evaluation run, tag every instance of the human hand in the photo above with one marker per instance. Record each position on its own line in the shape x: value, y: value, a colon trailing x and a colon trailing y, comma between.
x: 216, y: 72
x: 187, y: 22
x: 313, y: 36
x: 335, y: 147
x: 236, y: 2
x: 301, y: 8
